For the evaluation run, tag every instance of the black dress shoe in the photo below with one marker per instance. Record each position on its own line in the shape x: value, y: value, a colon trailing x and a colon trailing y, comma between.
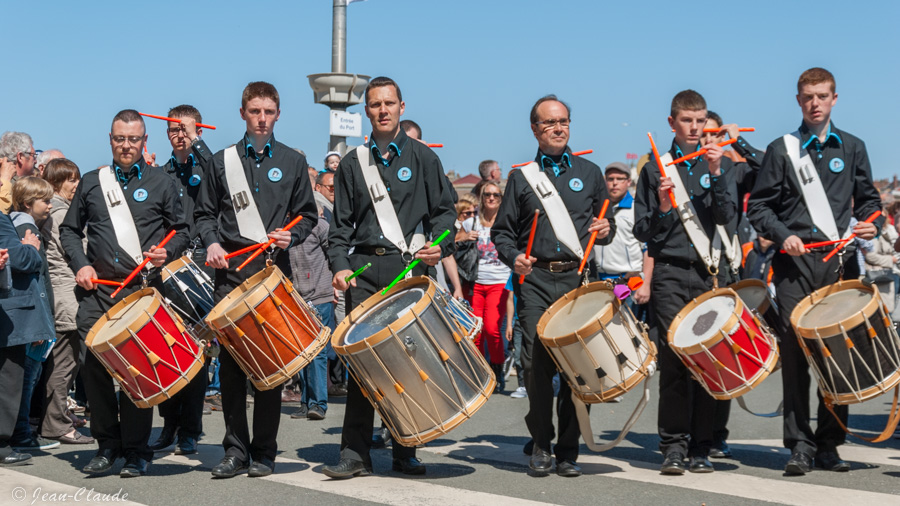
x: 720, y: 451
x: 187, y: 445
x: 229, y: 467
x: 540, y: 462
x: 528, y: 449
x: 831, y: 461
x: 166, y: 439
x: 700, y: 465
x: 673, y: 464
x: 260, y: 468
x: 16, y: 459
x: 134, y: 467
x: 101, y: 462
x: 408, y: 465
x: 347, y: 468
x: 799, y: 464
x: 568, y: 469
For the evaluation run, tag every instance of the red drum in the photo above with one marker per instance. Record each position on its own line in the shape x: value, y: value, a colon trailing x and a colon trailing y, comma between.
x: 723, y: 344
x: 144, y: 345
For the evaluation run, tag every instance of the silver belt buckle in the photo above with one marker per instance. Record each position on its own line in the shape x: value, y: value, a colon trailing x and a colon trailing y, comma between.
x: 380, y: 251
x: 554, y: 266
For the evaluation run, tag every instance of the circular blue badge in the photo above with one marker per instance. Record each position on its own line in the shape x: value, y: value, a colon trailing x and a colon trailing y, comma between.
x: 275, y: 174
x: 404, y: 174
x: 704, y: 181
x: 194, y: 180
x: 836, y: 165
x: 140, y: 195
x: 576, y: 185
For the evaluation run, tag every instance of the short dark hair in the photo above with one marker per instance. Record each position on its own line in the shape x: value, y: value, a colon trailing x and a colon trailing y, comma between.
x: 320, y: 179
x: 715, y: 117
x: 815, y: 75
x: 185, y: 110
x: 260, y: 89
x: 409, y: 124
x: 687, y: 100
x: 60, y: 170
x: 128, y: 116
x: 548, y: 98
x: 378, y: 82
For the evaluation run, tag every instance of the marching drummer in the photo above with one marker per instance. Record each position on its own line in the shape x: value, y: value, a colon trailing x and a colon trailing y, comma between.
x: 567, y: 218
x: 690, y: 247
x: 183, y: 413
x: 268, y: 182
x: 119, y: 237
x: 812, y: 182
x: 388, y: 236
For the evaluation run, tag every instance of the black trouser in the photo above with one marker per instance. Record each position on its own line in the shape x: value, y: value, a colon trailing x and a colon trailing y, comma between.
x: 233, y: 381
x: 12, y: 373
x: 720, y: 421
x: 359, y: 414
x: 116, y: 423
x: 686, y: 410
x: 541, y: 289
x: 790, y: 288
x: 185, y: 409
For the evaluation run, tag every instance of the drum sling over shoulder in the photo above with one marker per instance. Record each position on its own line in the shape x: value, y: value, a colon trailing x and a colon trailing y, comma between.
x: 250, y: 224
x: 811, y: 188
x: 120, y: 215
x: 554, y: 206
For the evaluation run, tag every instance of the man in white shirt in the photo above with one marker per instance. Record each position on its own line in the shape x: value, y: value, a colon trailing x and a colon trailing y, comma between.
x: 624, y: 256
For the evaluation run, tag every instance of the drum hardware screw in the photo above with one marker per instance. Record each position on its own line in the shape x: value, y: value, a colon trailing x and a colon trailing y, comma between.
x: 410, y: 343
x: 143, y: 279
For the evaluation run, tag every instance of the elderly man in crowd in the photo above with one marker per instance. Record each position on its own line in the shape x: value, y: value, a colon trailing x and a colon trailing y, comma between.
x: 18, y: 149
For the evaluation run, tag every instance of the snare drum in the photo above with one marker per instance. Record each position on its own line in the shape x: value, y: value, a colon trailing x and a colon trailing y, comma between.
x: 268, y: 329
x: 189, y: 292
x: 726, y: 348
x: 755, y: 294
x: 412, y: 360
x: 596, y: 342
x: 849, y: 340
x: 144, y: 345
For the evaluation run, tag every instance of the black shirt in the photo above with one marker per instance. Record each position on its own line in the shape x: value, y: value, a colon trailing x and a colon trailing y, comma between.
x: 188, y: 177
x: 158, y: 212
x: 582, y: 188
x: 745, y: 172
x: 419, y: 190
x: 278, y: 178
x: 714, y: 200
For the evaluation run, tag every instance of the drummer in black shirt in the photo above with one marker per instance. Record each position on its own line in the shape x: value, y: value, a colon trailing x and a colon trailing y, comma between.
x: 279, y: 184
x: 778, y: 211
x: 420, y: 193
x: 551, y: 271
x: 120, y: 428
x: 183, y: 413
x: 685, y: 415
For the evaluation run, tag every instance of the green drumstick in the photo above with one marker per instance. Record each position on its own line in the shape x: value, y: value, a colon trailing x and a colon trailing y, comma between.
x: 358, y: 272
x: 414, y: 263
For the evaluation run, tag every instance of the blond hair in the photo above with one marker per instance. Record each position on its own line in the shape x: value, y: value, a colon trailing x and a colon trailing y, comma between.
x: 27, y: 190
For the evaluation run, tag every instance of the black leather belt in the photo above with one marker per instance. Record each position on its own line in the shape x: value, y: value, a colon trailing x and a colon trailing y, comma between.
x: 369, y: 250
x: 556, y: 266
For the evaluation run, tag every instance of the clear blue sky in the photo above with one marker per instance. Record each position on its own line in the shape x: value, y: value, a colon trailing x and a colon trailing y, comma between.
x: 469, y: 70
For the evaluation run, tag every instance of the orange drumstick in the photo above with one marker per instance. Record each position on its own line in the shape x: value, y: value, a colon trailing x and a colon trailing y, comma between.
x: 593, y: 238
x: 662, y: 170
x: 243, y: 250
x: 104, y: 282
x: 176, y: 120
x: 577, y: 153
x: 840, y: 246
x: 435, y: 145
x: 262, y: 247
x: 701, y: 152
x: 537, y: 213
x: 819, y: 244
x: 717, y: 130
x: 143, y: 264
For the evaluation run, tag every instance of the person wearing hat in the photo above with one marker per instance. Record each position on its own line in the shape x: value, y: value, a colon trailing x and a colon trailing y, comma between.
x: 624, y: 256
x: 332, y: 160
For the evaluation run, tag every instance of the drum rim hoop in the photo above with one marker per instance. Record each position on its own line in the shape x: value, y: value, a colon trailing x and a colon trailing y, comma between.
x: 730, y: 323
x: 588, y: 330
x: 767, y: 302
x: 175, y: 266
x: 833, y: 329
x: 134, y: 326
x: 220, y: 316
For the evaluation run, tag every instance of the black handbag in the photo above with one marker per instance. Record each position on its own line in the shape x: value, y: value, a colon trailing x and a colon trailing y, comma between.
x: 467, y: 260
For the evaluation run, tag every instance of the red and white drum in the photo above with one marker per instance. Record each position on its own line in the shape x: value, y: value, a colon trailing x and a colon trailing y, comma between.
x: 723, y: 344
x: 144, y: 345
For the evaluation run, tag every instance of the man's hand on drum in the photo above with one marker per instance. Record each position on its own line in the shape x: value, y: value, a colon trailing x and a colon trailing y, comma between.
x: 215, y: 256
x: 865, y: 230
x: 665, y: 185
x: 282, y: 238
x: 338, y: 281
x: 601, y: 226
x: 84, y: 276
x: 431, y: 255
x: 793, y: 246
x: 523, y: 264
x: 157, y: 256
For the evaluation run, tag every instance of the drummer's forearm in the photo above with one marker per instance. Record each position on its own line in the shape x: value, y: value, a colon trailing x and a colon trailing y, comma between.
x: 647, y: 269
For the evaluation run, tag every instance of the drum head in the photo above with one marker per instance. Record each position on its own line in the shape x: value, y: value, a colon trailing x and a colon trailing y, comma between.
x: 754, y: 295
x: 704, y: 321
x: 835, y: 307
x: 575, y: 314
x: 121, y: 321
x: 386, y: 312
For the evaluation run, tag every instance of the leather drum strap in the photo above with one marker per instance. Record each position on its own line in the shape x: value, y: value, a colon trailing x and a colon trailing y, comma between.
x: 889, y: 429
x: 120, y: 215
x: 811, y: 187
x: 584, y: 418
x: 250, y: 225
x: 555, y: 208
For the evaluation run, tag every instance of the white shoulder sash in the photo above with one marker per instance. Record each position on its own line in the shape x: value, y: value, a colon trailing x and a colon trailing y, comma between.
x: 811, y: 187
x: 120, y: 215
x: 554, y: 206
x: 250, y: 225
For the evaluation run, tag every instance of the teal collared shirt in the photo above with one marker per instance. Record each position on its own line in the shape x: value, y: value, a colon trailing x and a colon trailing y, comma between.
x: 814, y: 139
x: 558, y: 168
x: 392, y: 147
x: 266, y: 151
x: 124, y: 176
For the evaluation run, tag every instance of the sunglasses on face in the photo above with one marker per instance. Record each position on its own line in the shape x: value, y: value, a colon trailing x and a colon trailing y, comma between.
x: 488, y: 195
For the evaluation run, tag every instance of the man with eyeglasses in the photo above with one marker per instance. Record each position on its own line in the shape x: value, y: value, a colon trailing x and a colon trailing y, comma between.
x: 18, y: 151
x: 114, y: 249
x: 552, y: 269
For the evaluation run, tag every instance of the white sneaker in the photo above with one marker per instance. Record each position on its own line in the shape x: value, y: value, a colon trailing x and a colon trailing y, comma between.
x: 519, y: 393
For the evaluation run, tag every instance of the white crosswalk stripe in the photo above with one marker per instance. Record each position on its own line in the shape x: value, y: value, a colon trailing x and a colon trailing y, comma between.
x: 21, y: 488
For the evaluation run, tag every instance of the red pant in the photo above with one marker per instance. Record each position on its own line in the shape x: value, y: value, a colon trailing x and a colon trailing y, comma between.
x: 489, y: 303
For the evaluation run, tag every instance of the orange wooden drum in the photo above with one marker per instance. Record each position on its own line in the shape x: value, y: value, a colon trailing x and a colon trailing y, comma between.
x: 268, y: 329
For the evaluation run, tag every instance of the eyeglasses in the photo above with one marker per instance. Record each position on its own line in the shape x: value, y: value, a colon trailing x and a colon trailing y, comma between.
x: 32, y: 154
x: 173, y: 131
x: 134, y: 140
x: 488, y: 195
x: 329, y: 187
x: 468, y: 213
x: 616, y: 179
x: 551, y: 123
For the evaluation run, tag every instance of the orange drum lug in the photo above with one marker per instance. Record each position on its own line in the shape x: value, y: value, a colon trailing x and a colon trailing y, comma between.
x: 153, y: 358
x: 826, y: 352
x: 133, y: 371
x: 718, y: 365
x: 872, y: 333
x: 260, y: 319
x: 239, y: 333
x: 423, y: 375
x: 736, y: 348
x: 398, y: 387
x: 276, y: 300
x: 849, y: 343
x: 169, y: 340
x: 443, y: 355
x: 457, y: 337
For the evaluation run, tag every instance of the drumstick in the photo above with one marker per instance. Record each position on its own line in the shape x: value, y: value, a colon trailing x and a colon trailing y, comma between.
x: 717, y: 130
x: 840, y: 246
x: 143, y: 264
x: 243, y: 250
x: 104, y: 282
x: 435, y: 145
x: 176, y: 120
x: 577, y: 153
x: 537, y: 213
x: 358, y: 272
x: 818, y: 244
x: 262, y: 247
x: 662, y: 170
x: 702, y: 152
x: 593, y: 238
x: 414, y: 263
